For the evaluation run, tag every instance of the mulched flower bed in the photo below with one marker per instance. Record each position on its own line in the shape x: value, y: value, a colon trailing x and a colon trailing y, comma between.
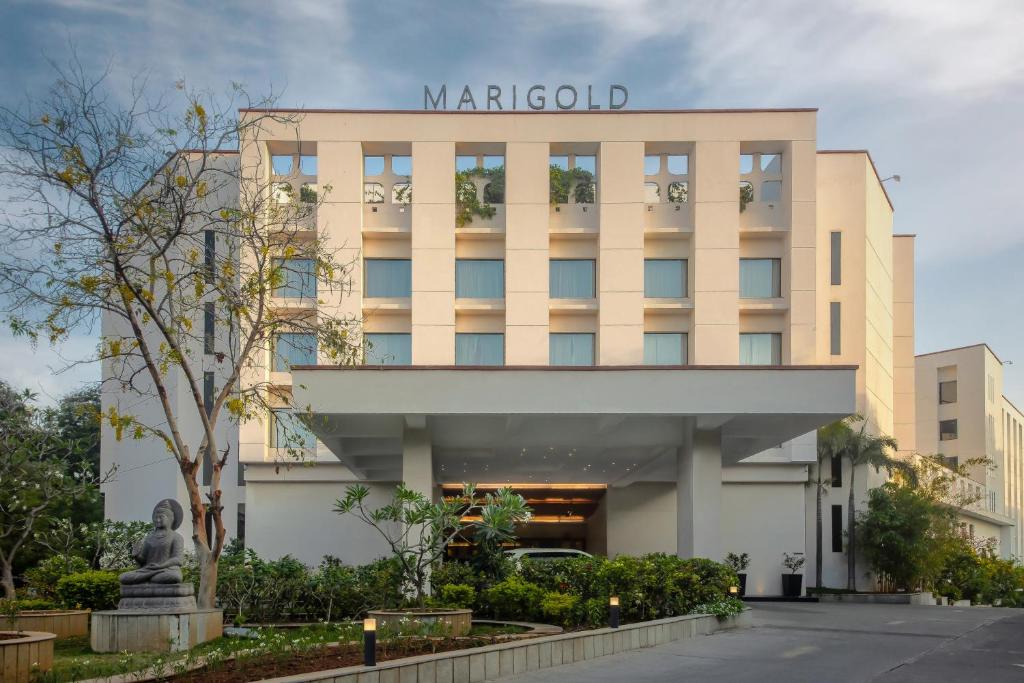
x: 331, y: 657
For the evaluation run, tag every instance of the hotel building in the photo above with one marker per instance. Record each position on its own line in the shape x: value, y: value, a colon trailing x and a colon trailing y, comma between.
x: 963, y: 415
x: 644, y: 352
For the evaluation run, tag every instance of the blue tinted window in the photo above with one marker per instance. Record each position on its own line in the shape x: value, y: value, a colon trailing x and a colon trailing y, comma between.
x: 664, y: 278
x: 760, y: 278
x: 571, y: 279
x: 294, y: 348
x: 388, y: 349
x: 479, y: 279
x: 479, y: 349
x: 571, y: 348
x: 761, y: 348
x: 664, y: 348
x: 299, y: 278
x: 388, y: 278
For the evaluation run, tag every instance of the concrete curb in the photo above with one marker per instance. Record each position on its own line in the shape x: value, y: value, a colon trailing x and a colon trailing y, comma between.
x: 493, y: 662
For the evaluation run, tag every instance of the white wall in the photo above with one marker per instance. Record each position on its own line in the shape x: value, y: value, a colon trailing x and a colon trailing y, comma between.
x: 297, y: 518
x: 763, y: 520
x: 641, y: 519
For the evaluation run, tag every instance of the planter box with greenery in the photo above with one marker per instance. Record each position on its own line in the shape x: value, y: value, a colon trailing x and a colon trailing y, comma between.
x: 792, y: 583
x: 25, y: 653
x: 739, y: 564
x: 63, y: 623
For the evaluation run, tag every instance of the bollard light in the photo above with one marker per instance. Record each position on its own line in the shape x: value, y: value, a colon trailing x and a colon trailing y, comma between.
x: 370, y: 642
x: 734, y: 591
x: 613, y: 611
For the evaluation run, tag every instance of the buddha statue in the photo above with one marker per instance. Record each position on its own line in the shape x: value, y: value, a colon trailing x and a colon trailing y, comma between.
x: 158, y: 580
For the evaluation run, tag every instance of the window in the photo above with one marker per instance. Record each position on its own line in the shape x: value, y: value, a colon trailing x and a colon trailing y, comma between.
x: 281, y: 164
x: 837, y: 258
x: 208, y: 389
x: 572, y: 279
x: 947, y: 430
x: 297, y: 278
x: 837, y: 528
x: 761, y: 348
x: 664, y: 348
x: 307, y: 164
x: 210, y: 254
x: 479, y: 349
x: 373, y: 193
x: 209, y: 318
x: 573, y: 348
x: 652, y: 195
x: 947, y: 392
x: 373, y: 165
x: 240, y: 523
x: 837, y: 471
x: 678, y: 164
x: 388, y: 278
x: 479, y: 279
x: 664, y: 278
x: 991, y: 384
x: 294, y: 348
x: 835, y: 328
x: 290, y: 432
x: 388, y: 348
x: 401, y: 164
x: 760, y: 278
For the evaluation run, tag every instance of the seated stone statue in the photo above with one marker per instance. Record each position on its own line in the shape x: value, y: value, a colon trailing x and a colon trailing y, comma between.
x: 159, y: 554
x: 157, y: 583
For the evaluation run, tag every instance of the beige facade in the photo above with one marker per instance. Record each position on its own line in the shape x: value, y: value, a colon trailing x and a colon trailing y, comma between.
x: 962, y: 414
x: 756, y: 284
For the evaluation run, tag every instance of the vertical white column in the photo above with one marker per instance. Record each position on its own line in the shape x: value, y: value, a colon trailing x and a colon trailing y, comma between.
x: 417, y: 458
x: 699, y: 496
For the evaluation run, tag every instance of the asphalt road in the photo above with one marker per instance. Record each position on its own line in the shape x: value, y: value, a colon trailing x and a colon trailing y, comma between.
x: 828, y: 642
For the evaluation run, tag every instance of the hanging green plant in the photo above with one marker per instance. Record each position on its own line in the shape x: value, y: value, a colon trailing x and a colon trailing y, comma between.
x: 562, y: 179
x: 468, y: 204
x: 746, y: 195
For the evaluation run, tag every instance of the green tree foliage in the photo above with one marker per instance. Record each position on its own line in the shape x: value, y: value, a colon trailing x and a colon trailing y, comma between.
x: 418, y: 531
x: 468, y: 202
x: 577, y: 181
x: 41, y: 474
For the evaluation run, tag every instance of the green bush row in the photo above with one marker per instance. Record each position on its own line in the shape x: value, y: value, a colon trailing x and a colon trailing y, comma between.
x: 576, y: 592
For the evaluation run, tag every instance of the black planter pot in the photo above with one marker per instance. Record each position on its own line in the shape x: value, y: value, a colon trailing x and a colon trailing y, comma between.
x: 743, y: 584
x: 791, y: 585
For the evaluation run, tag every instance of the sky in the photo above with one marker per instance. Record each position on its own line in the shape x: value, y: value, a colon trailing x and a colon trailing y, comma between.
x: 932, y: 88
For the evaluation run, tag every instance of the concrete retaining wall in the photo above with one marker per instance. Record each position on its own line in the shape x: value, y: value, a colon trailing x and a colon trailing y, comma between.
x: 924, y: 598
x: 508, y: 659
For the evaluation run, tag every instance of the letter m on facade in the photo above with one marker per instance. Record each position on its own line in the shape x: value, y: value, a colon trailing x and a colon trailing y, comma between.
x: 431, y: 102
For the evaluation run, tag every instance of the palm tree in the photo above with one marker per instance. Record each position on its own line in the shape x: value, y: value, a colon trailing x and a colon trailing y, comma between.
x: 862, y: 448
x: 832, y: 439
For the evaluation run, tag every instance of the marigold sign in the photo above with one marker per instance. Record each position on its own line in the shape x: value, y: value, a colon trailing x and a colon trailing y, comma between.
x: 536, y: 97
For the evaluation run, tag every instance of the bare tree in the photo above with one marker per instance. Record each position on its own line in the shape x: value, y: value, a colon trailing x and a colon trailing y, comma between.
x: 161, y: 215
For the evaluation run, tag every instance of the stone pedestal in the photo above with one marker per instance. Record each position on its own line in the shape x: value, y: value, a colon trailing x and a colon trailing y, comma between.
x: 156, y: 596
x: 154, y: 630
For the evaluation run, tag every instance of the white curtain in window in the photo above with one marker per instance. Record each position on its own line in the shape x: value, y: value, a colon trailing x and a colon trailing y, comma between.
x: 761, y: 348
x: 664, y: 348
x: 571, y: 348
x: 571, y: 279
x: 664, y: 278
x: 299, y: 278
x: 760, y: 278
x: 294, y: 348
x: 388, y: 278
x: 479, y: 279
x: 388, y: 349
x: 291, y: 432
x: 479, y: 349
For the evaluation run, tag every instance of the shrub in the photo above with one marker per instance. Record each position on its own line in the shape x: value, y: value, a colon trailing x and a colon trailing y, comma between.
x: 455, y: 595
x: 558, y: 608
x: 94, y: 590
x: 514, y: 598
x: 721, y: 608
x: 458, y: 573
x: 28, y: 604
x: 42, y: 579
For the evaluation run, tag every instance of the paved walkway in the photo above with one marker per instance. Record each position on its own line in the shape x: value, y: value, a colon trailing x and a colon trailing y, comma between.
x: 828, y: 642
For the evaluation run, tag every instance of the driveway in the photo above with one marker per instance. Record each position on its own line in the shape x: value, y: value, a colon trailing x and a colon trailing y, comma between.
x: 828, y: 642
